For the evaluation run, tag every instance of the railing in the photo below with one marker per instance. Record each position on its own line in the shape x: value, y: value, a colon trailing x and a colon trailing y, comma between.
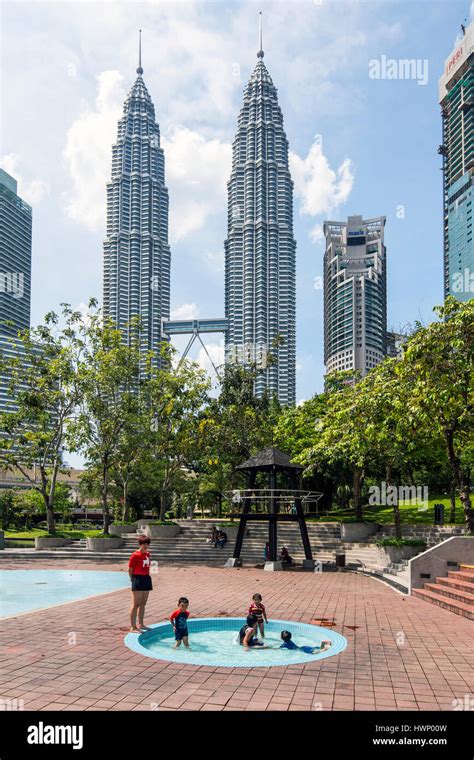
x: 262, y: 497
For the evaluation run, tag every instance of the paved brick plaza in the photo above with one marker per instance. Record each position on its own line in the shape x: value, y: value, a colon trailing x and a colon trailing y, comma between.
x: 377, y: 671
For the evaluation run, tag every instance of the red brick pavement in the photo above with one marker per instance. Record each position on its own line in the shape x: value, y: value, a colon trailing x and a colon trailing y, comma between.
x: 403, y: 653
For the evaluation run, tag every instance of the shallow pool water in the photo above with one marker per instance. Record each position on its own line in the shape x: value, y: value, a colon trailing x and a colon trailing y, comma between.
x: 28, y: 590
x: 213, y: 641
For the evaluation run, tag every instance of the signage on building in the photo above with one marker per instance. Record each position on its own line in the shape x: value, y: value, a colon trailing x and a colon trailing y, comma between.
x: 455, y: 58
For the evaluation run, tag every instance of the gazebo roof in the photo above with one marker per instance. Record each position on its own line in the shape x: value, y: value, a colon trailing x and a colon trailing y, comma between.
x: 268, y: 459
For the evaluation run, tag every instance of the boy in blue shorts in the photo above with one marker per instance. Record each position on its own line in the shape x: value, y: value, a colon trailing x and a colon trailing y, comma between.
x: 289, y: 644
x: 179, y: 621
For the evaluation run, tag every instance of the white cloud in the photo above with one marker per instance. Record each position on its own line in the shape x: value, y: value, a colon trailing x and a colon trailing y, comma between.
x: 319, y: 188
x: 197, y: 171
x: 317, y: 234
x: 215, y: 260
x: 216, y: 352
x: 88, y: 152
x: 32, y: 191
x: 185, y: 311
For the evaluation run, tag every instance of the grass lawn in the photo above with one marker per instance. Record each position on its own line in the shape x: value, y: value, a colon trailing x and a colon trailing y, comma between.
x: 21, y: 533
x: 410, y: 513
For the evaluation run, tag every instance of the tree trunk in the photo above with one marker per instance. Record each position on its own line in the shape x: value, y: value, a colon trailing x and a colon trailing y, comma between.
x: 105, y: 503
x: 452, y: 501
x: 358, y: 478
x: 396, y: 508
x: 50, y: 502
x: 163, y: 503
x: 461, y: 481
x: 126, y: 510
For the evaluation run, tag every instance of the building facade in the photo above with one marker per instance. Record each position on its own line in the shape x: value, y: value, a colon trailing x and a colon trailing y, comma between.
x: 15, y: 258
x: 456, y: 96
x: 355, y: 294
x: 137, y: 256
x: 260, y: 288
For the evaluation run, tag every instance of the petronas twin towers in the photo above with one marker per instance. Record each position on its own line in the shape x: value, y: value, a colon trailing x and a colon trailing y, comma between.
x: 260, y: 289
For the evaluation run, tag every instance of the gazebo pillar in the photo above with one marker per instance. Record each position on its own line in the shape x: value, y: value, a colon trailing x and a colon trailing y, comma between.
x: 273, y: 563
x: 308, y: 561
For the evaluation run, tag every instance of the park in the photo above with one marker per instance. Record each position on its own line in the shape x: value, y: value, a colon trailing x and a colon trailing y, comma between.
x: 366, y: 487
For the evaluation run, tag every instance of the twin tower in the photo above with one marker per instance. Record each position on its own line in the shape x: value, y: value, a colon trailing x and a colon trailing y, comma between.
x: 260, y: 271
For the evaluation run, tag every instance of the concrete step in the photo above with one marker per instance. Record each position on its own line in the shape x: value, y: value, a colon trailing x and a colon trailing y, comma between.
x: 451, y: 593
x: 467, y: 576
x: 218, y: 558
x: 458, y: 607
x: 455, y: 583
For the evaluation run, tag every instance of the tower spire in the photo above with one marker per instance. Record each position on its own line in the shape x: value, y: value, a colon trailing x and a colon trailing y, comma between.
x: 260, y: 51
x: 139, y: 69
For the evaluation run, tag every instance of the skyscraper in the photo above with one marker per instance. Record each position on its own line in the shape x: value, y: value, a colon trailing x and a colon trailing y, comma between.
x: 260, y: 297
x: 137, y: 256
x: 15, y: 258
x: 456, y: 96
x: 355, y: 294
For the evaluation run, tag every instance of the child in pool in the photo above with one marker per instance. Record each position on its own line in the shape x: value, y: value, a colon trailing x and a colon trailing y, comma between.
x: 247, y: 635
x: 257, y: 608
x: 179, y: 621
x: 289, y: 644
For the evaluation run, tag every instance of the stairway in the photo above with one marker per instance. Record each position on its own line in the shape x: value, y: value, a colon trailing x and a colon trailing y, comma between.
x: 190, y: 546
x: 454, y: 592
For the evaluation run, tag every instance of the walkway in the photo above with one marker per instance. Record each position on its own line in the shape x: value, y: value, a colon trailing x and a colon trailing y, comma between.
x: 403, y: 654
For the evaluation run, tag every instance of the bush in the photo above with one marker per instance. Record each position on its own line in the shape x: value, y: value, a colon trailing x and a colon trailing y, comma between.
x: 400, y: 542
x: 162, y: 522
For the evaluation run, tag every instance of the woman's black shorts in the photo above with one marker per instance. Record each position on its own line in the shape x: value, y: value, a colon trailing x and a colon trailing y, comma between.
x: 141, y: 583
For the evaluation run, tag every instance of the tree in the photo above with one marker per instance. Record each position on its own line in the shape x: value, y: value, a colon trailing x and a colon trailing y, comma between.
x: 26, y: 503
x: 174, y: 397
x: 437, y: 367
x: 339, y: 440
x: 7, y: 497
x: 237, y: 423
x: 43, y: 383
x: 110, y: 400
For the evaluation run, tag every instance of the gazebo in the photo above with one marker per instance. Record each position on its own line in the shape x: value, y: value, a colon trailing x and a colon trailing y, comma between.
x: 283, y: 485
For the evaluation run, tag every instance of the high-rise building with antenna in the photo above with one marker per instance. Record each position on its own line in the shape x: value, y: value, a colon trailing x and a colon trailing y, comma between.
x: 260, y: 268
x: 456, y: 97
x: 137, y: 256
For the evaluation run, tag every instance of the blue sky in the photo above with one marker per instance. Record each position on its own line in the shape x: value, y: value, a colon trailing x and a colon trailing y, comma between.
x: 359, y: 145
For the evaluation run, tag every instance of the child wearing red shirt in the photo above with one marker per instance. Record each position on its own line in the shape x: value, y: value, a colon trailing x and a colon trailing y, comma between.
x: 139, y: 572
x: 179, y: 621
x: 257, y: 609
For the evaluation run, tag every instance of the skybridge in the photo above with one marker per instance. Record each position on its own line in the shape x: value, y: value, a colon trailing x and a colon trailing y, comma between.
x: 194, y: 328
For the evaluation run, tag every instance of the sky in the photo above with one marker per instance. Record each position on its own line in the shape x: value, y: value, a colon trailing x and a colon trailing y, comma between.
x: 360, y: 142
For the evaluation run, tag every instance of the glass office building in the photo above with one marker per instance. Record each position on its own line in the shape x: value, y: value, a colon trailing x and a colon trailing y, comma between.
x: 355, y: 294
x: 260, y: 288
x: 137, y: 256
x: 15, y: 258
x: 456, y: 95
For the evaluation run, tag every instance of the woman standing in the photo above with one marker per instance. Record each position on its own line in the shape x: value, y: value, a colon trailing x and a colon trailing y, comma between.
x: 139, y: 572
